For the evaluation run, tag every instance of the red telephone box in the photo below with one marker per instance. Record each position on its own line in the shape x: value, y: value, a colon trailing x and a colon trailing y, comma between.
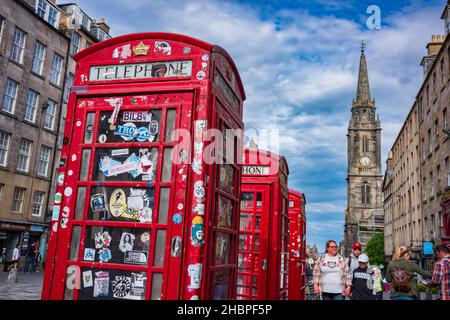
x: 139, y: 211
x: 297, y: 245
x: 264, y: 227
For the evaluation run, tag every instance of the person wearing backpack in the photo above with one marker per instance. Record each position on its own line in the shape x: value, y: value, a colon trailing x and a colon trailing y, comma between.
x: 400, y: 275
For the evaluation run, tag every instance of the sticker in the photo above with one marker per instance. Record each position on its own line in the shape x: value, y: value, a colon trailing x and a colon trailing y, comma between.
x: 78, y: 123
x: 205, y: 57
x: 199, y: 209
x: 145, y: 237
x: 197, y: 233
x: 104, y: 255
x: 129, y: 131
x: 120, y: 152
x: 98, y: 203
x: 177, y: 218
x: 102, y: 138
x: 194, y: 298
x: 89, y: 254
x: 126, y: 131
x: 145, y: 215
x: 199, y: 190
x: 136, y: 257
x: 197, y: 166
x: 87, y: 279
x: 61, y: 179
x: 163, y: 48
x: 70, y: 172
x: 122, y: 52
x: 66, y: 212
x: 64, y: 222
x: 121, y: 286
x: 117, y: 104
x: 138, y: 285
x: 55, y: 227
x: 101, y: 284
x: 74, y: 157
x: 195, y: 275
x: 136, y: 116
x: 147, y: 163
x: 117, y: 203
x: 200, y: 125
x: 102, y: 240
x: 186, y: 50
x: 137, y: 198
x: 126, y: 242
x: 110, y: 167
x: 198, y: 147
x: 153, y: 129
x: 201, y: 75
x: 175, y: 250
x: 58, y: 197
x: 55, y: 214
x: 147, y: 177
x: 68, y: 191
x: 180, y: 206
x: 204, y: 66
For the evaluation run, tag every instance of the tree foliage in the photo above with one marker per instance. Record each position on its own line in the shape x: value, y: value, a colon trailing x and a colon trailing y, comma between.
x: 375, y: 249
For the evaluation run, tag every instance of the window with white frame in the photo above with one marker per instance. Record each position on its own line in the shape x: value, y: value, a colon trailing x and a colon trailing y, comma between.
x: 4, y: 147
x: 447, y: 168
x: 2, y: 188
x: 69, y: 84
x: 10, y: 95
x: 1, y: 27
x: 55, y: 74
x: 30, y: 108
x: 38, y: 58
x: 24, y: 155
x: 76, y: 41
x: 37, y: 203
x: 17, y: 203
x: 18, y: 45
x: 49, y: 121
x: 44, y: 159
x: 48, y: 12
x: 444, y: 117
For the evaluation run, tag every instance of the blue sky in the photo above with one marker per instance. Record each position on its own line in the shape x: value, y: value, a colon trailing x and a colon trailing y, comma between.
x: 299, y: 63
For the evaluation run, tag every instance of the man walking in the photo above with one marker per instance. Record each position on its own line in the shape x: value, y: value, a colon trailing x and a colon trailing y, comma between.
x: 30, y: 259
x: 441, y: 272
x: 352, y: 261
x: 362, y: 281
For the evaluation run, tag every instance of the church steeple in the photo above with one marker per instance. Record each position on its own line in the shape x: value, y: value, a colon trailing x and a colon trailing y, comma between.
x: 363, y: 91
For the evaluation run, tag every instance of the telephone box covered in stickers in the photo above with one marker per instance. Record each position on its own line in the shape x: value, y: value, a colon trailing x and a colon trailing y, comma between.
x: 264, y: 227
x: 141, y: 209
x: 297, y: 245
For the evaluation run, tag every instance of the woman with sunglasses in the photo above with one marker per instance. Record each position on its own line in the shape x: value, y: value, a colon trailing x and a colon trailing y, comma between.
x: 331, y: 276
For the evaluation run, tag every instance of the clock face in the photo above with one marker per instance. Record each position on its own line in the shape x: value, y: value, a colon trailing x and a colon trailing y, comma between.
x: 364, y: 161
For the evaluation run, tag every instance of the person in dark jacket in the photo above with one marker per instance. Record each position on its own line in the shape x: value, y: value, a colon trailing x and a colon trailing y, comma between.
x: 400, y: 275
x: 31, y: 258
x: 362, y: 282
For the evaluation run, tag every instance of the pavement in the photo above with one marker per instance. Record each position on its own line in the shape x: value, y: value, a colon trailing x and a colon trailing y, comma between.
x: 28, y: 286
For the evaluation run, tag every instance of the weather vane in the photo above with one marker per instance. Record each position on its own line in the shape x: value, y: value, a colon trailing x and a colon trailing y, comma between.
x: 363, y: 46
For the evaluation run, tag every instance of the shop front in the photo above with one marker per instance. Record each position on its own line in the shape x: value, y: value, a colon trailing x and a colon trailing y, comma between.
x: 140, y: 211
x: 264, y: 227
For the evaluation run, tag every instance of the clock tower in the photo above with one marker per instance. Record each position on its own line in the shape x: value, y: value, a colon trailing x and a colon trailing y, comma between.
x: 364, y: 213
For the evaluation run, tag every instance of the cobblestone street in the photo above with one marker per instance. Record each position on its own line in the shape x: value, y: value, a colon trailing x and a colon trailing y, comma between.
x: 28, y: 286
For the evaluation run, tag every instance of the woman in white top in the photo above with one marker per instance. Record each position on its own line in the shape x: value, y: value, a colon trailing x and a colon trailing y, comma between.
x: 331, y: 276
x: 15, y: 258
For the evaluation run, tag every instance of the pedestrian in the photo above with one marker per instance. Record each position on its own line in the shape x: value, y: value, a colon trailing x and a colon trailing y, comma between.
x: 400, y: 275
x: 330, y: 275
x: 30, y: 258
x: 378, y: 283
x: 352, y: 261
x: 362, y: 280
x: 15, y: 258
x: 441, y: 272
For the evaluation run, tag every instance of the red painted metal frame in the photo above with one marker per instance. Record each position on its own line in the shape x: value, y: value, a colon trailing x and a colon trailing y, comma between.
x: 297, y: 245
x: 195, y: 98
x: 274, y: 220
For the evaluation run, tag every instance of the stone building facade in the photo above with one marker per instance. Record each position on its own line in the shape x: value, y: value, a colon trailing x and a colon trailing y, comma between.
x: 364, y: 214
x: 402, y: 190
x: 33, y: 59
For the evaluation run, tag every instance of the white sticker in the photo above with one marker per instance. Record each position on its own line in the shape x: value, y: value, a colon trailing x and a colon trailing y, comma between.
x: 55, y: 227
x: 70, y: 172
x: 120, y: 152
x: 60, y: 179
x: 126, y: 242
x: 78, y: 123
x: 102, y: 138
x: 74, y: 157
x: 68, y: 191
x: 65, y: 212
x: 101, y: 284
x: 205, y: 57
x: 89, y: 254
x: 87, y: 279
x: 201, y: 75
x: 180, y: 206
x: 64, y: 222
x: 195, y: 275
x: 197, y: 166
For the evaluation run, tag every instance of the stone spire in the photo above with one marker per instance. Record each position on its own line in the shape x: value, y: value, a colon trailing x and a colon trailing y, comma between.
x: 363, y: 91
